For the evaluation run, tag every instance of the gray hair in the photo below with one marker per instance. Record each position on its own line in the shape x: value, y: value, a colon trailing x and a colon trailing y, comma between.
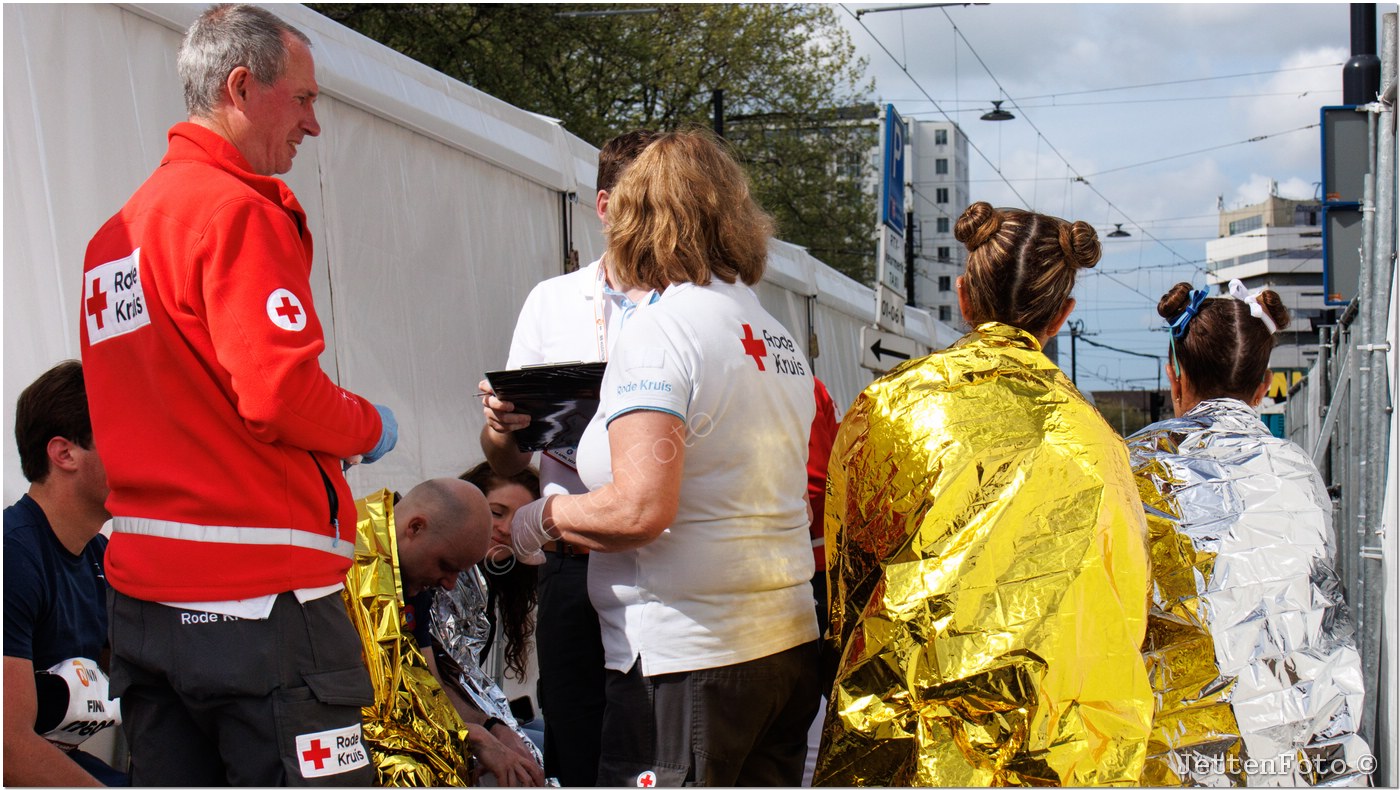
x: 222, y: 39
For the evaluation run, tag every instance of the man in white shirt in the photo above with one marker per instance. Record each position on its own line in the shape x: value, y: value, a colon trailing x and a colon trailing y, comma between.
x: 570, y: 318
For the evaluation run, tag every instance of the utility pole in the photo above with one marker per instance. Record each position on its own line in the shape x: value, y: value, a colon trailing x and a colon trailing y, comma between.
x: 909, y: 256
x: 717, y: 101
x: 1361, y: 76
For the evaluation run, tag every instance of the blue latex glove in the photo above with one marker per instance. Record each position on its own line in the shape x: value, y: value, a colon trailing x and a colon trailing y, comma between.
x: 388, y: 435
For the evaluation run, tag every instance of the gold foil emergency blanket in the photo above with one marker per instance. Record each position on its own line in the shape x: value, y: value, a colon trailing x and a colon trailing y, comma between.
x: 460, y: 630
x: 415, y: 737
x: 987, y: 568
x: 1249, y: 647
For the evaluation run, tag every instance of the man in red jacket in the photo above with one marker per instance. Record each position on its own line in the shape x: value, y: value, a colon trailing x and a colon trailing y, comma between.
x: 223, y: 439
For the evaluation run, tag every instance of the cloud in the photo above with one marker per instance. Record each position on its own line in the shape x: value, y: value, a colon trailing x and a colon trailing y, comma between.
x: 1258, y: 187
x: 1304, y: 90
x: 1163, y: 95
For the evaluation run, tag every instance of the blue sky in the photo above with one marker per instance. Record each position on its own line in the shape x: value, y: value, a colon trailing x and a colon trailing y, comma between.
x: 1101, y: 89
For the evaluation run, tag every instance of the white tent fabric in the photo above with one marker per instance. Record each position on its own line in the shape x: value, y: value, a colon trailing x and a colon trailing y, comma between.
x: 435, y: 208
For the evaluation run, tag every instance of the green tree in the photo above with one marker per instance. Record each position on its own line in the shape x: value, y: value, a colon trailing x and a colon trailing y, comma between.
x: 789, y: 74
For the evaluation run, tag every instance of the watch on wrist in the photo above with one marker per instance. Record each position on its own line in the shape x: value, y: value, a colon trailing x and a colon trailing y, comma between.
x: 491, y: 722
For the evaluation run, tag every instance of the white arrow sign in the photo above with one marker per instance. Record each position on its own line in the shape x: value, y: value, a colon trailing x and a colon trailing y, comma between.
x: 882, y: 351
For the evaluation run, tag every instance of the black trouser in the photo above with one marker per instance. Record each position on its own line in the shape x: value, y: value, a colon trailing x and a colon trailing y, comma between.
x: 743, y: 725
x: 213, y: 700
x: 570, y: 648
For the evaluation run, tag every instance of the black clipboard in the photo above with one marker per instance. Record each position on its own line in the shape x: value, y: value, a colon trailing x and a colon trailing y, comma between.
x: 560, y: 399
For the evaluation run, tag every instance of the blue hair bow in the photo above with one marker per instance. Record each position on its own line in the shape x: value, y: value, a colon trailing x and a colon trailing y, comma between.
x: 1182, y: 322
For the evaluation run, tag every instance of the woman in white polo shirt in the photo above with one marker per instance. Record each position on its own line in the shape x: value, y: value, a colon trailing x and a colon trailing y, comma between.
x: 696, y: 464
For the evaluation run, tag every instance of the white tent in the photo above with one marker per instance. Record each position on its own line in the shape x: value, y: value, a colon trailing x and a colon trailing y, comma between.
x: 435, y: 208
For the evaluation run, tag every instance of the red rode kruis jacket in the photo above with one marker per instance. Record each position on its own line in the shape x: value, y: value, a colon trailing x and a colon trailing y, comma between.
x: 220, y: 434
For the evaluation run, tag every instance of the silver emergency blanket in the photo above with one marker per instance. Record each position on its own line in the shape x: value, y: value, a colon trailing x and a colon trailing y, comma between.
x: 1249, y: 647
x: 460, y: 628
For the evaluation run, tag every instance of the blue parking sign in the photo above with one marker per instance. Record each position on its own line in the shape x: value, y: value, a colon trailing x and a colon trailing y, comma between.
x: 892, y: 171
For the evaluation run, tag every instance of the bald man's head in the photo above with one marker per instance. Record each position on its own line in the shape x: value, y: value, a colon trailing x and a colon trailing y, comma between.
x: 443, y: 527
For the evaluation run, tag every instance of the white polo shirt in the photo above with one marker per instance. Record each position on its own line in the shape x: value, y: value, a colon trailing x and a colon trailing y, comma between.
x: 559, y: 323
x: 729, y: 580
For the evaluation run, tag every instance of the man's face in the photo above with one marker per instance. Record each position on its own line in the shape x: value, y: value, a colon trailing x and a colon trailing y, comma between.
x: 92, y: 478
x: 434, y: 558
x: 280, y: 115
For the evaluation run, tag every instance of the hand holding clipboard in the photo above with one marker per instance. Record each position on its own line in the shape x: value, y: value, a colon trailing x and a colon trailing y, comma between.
x: 560, y: 399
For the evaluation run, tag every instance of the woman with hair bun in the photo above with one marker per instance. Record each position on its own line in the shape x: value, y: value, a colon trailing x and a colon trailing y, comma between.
x: 1249, y: 646
x: 987, y: 568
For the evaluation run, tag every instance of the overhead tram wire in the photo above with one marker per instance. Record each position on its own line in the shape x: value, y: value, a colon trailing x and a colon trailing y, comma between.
x: 1254, y: 139
x: 988, y: 160
x: 933, y: 101
x: 1085, y: 339
x: 1079, y: 178
x: 1196, y: 263
x: 1169, y: 82
x: 997, y: 170
x: 1055, y: 105
x: 985, y: 158
x: 1181, y: 82
x: 1134, y: 289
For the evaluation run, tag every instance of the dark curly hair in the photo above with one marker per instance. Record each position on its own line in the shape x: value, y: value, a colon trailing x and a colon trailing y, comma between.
x: 512, y: 590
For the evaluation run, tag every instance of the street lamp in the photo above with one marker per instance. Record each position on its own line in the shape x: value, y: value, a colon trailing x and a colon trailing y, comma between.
x: 997, y: 113
x: 1118, y: 232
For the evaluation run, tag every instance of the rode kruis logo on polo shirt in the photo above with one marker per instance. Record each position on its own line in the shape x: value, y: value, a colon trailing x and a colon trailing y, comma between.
x: 113, y: 302
x: 778, y: 344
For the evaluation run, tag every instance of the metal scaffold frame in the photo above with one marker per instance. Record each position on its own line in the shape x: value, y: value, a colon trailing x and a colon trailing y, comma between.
x: 1343, y: 413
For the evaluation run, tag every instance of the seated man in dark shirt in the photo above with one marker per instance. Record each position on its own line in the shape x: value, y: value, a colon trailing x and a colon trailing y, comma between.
x: 56, y: 592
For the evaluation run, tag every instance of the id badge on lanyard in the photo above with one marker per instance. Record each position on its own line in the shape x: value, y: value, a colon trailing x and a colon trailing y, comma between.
x: 568, y: 456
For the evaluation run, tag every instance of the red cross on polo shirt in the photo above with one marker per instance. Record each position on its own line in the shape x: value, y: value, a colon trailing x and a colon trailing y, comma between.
x: 753, y: 346
x: 97, y: 302
x: 316, y: 754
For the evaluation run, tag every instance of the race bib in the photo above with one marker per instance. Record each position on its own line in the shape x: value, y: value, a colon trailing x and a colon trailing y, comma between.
x: 567, y: 456
x: 74, y: 692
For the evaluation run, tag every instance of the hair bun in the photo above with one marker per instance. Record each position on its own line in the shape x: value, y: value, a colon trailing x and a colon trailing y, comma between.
x: 1080, y: 244
x: 1174, y: 302
x: 977, y: 224
x: 1273, y: 305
